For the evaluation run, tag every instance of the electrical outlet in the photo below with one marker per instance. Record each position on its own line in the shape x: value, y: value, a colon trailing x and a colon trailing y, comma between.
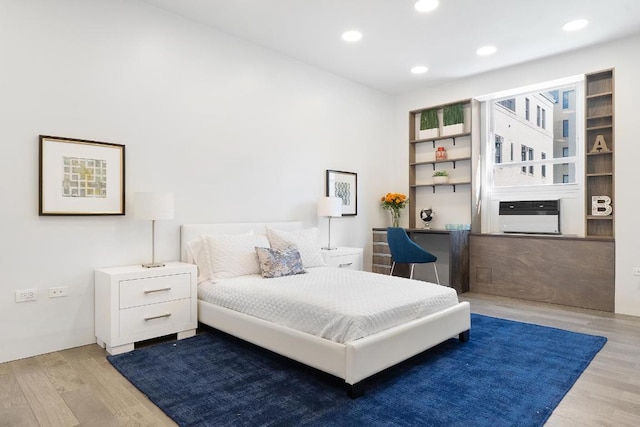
x: 60, y: 291
x: 24, y: 295
x: 636, y: 271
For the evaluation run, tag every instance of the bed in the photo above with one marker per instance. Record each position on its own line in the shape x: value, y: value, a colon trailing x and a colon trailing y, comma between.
x: 351, y: 359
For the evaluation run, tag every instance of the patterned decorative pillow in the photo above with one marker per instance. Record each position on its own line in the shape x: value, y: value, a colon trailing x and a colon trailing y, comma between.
x: 307, y: 241
x: 279, y: 262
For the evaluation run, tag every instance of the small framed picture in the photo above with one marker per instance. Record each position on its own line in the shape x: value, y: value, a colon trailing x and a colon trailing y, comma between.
x: 344, y: 185
x: 79, y: 177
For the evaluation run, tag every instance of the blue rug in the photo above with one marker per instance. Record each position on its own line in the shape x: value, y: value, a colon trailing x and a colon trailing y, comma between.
x: 508, y: 374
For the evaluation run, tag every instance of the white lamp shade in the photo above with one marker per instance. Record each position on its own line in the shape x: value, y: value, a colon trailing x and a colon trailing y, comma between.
x: 153, y: 206
x: 330, y: 206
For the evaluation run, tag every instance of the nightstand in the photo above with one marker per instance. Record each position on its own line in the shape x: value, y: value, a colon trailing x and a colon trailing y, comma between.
x: 134, y: 303
x: 343, y: 257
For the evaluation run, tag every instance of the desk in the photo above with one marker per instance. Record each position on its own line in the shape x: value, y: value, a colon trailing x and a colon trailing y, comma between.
x: 450, y: 246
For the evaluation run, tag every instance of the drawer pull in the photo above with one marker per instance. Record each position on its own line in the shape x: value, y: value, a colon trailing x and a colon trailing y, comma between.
x: 346, y: 264
x: 157, y: 317
x: 157, y: 290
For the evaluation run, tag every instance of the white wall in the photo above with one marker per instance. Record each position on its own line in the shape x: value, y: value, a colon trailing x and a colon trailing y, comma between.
x: 621, y: 55
x: 237, y: 132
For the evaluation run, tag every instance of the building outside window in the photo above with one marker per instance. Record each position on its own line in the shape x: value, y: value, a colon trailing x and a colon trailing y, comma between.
x: 551, y: 141
x: 509, y: 103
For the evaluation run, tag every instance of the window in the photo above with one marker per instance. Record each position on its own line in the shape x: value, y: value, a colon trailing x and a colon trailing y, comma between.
x: 545, y: 157
x: 565, y: 99
x: 509, y: 103
x: 550, y: 165
x: 499, y: 141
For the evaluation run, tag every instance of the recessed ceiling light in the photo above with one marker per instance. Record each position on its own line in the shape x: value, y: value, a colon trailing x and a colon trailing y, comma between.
x: 419, y: 69
x: 351, y: 36
x: 486, y: 50
x: 575, y: 25
x: 426, y: 5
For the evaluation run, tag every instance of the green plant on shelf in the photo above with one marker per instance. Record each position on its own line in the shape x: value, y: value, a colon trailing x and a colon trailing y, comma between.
x: 453, y: 114
x: 440, y: 173
x: 429, y: 119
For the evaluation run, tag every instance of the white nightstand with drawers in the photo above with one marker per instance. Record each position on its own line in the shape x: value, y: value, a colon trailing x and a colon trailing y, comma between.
x: 134, y: 303
x: 343, y: 257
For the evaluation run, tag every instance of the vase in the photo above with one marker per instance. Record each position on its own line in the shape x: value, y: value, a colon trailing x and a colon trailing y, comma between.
x: 395, y: 217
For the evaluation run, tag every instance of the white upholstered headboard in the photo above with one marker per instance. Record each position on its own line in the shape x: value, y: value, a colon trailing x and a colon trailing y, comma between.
x: 189, y: 232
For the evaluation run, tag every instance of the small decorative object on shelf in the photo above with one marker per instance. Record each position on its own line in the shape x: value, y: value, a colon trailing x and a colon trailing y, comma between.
x: 601, y: 206
x: 440, y: 177
x: 441, y: 154
x: 600, y: 145
x: 429, y: 126
x: 453, y: 119
x: 394, y: 203
x: 426, y: 215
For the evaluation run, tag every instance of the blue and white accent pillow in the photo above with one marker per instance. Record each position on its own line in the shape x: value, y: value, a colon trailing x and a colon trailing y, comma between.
x: 279, y: 262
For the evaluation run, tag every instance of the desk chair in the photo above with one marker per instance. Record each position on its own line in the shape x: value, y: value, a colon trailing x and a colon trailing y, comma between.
x: 406, y: 251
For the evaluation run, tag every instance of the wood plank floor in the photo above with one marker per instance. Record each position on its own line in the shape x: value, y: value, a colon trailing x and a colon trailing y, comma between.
x: 79, y: 387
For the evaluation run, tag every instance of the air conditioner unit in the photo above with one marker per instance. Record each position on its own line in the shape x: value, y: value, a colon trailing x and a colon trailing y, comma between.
x: 533, y: 216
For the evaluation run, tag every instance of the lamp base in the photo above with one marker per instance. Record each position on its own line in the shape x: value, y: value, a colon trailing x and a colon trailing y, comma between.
x: 154, y: 265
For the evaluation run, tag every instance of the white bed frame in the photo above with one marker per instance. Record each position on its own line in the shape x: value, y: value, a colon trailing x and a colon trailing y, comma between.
x: 352, y: 361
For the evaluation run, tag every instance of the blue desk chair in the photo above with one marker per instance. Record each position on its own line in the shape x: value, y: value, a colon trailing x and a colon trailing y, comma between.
x: 406, y: 251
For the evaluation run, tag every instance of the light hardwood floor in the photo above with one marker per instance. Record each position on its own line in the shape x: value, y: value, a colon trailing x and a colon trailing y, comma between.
x: 79, y: 387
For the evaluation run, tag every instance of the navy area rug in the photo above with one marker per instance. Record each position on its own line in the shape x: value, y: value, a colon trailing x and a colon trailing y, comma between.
x: 508, y: 374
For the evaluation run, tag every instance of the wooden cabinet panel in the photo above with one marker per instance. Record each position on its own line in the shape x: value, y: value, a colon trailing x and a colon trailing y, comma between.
x: 568, y: 271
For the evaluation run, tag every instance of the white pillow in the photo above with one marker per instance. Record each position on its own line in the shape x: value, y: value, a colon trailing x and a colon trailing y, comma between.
x: 199, y: 253
x: 232, y: 255
x: 226, y: 255
x: 307, y: 241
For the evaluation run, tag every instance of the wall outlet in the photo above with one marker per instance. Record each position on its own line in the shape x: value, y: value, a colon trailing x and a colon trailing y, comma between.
x: 24, y: 295
x: 636, y: 271
x: 60, y: 291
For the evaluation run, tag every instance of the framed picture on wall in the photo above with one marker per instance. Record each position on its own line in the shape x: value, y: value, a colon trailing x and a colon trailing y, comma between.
x: 344, y: 185
x: 80, y: 177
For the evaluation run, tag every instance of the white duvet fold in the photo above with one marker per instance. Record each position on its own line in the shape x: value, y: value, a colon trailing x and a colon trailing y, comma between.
x: 337, y: 304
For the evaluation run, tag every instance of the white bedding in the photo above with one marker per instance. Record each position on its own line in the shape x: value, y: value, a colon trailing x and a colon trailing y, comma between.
x: 337, y: 304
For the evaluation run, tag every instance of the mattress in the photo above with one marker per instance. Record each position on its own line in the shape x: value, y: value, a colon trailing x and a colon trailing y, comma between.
x: 337, y: 304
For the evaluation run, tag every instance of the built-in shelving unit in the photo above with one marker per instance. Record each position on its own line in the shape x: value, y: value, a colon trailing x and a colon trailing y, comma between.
x: 423, y: 162
x: 599, y: 162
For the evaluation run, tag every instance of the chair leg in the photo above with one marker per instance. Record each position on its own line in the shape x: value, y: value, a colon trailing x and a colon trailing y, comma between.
x: 436, y: 270
x: 411, y: 274
x: 392, y: 266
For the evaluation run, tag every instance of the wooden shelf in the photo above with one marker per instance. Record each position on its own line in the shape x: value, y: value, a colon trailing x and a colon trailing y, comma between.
x: 434, y: 162
x: 442, y: 138
x: 599, y: 95
x: 462, y: 155
x: 599, y: 166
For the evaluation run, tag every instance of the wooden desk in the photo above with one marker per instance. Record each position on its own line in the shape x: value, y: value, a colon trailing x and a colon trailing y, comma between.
x: 451, y: 247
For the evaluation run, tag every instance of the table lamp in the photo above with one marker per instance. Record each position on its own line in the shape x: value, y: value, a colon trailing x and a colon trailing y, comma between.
x: 153, y: 206
x: 330, y: 207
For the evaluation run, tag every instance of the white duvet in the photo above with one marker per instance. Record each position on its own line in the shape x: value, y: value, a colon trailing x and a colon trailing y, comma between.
x: 337, y: 304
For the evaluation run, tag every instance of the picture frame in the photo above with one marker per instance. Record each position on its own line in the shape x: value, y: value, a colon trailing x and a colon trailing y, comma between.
x: 80, y: 177
x: 344, y: 185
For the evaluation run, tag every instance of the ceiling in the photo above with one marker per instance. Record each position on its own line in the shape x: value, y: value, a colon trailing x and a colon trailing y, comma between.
x: 396, y: 37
